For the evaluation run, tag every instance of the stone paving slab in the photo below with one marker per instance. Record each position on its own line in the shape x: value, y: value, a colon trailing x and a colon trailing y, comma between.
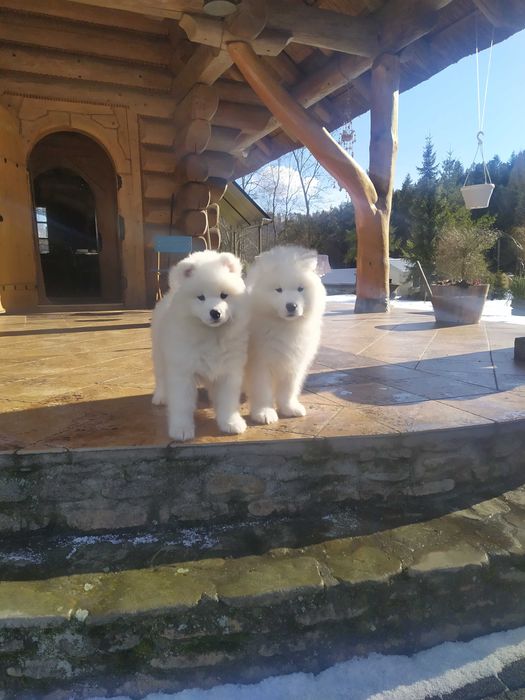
x: 84, y: 379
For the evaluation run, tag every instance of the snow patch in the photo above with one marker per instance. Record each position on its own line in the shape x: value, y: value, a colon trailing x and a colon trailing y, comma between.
x: 443, y: 669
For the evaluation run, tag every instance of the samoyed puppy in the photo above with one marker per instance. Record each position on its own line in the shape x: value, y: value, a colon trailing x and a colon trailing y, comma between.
x: 200, y: 338
x: 287, y: 302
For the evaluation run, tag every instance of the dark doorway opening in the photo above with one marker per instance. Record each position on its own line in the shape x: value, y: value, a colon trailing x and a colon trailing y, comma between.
x: 76, y: 215
x: 68, y: 237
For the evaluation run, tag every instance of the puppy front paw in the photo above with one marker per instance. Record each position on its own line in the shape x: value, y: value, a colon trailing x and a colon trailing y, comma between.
x: 234, y: 424
x: 158, y: 398
x: 181, y: 431
x: 265, y: 416
x: 292, y: 409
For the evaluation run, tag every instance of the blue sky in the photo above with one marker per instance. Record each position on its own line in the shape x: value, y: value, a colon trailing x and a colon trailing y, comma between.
x: 445, y: 108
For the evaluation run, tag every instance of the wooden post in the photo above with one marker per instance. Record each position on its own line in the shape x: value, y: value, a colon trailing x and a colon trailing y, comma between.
x: 372, y: 205
x: 373, y: 289
x: 18, y: 262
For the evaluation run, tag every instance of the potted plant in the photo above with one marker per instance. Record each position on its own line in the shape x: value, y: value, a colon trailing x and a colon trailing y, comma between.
x: 517, y: 289
x: 462, y: 267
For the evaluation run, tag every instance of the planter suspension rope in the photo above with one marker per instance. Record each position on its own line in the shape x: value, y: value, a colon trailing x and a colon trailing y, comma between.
x: 478, y: 196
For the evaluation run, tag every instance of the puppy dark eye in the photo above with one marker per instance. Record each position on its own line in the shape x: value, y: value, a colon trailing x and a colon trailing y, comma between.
x: 300, y: 289
x: 223, y: 295
x: 279, y: 289
x: 201, y: 297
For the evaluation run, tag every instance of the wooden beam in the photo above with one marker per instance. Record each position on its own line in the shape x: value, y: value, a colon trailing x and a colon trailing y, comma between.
x: 402, y: 22
x: 223, y: 139
x: 249, y: 20
x: 234, y: 91
x: 156, y: 160
x: 299, y: 125
x: 144, y: 102
x: 67, y: 36
x: 195, y: 167
x: 218, y: 188
x: 193, y: 223
x: 201, y: 102
x: 288, y: 22
x: 505, y: 14
x: 158, y: 185
x: 171, y: 9
x: 64, y: 9
x: 246, y: 118
x: 213, y: 33
x: 341, y: 70
x: 220, y: 165
x: 193, y: 139
x: 205, y: 65
x: 157, y: 132
x: 36, y: 62
x: 325, y: 29
x: 193, y: 195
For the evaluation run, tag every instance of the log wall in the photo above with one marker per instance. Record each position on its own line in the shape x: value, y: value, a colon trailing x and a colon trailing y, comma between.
x: 120, y: 79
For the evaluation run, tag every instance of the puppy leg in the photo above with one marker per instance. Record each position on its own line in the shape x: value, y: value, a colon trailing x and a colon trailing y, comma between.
x: 182, y: 400
x: 260, y: 393
x: 159, y: 395
x: 226, y: 395
x: 288, y: 391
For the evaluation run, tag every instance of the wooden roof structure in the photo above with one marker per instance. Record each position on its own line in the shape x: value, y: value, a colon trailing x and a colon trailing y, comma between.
x: 240, y: 210
x: 153, y: 52
x: 158, y: 84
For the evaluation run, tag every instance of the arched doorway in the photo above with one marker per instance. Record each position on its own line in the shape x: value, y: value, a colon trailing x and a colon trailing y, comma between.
x: 75, y: 206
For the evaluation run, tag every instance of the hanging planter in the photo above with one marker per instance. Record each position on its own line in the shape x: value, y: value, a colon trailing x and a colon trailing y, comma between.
x: 477, y: 196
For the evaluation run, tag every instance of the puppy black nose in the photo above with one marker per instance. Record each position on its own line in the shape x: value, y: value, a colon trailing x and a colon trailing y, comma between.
x: 291, y: 308
x: 215, y: 314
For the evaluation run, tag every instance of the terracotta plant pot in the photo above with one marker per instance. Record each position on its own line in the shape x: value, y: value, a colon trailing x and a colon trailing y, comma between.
x: 477, y: 196
x: 455, y: 305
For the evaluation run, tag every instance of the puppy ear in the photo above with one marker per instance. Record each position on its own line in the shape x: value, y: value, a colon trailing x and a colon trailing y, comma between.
x: 179, y: 272
x: 309, y: 260
x: 231, y: 262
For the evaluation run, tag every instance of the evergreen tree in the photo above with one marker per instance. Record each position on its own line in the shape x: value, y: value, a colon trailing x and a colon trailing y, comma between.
x: 400, y: 217
x: 428, y: 212
x: 451, y: 180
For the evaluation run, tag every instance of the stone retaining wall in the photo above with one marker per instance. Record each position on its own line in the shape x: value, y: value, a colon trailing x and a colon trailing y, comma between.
x: 88, y: 490
x: 214, y: 621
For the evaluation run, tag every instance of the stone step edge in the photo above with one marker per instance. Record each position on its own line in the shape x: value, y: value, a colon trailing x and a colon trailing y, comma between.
x: 476, y: 537
x: 102, y: 490
x: 218, y: 621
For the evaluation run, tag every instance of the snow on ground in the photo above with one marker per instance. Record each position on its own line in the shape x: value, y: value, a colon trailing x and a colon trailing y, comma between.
x: 495, y: 309
x: 443, y: 669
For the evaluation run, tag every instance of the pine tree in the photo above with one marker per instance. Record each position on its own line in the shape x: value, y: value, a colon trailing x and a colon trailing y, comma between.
x: 400, y: 218
x: 428, y: 212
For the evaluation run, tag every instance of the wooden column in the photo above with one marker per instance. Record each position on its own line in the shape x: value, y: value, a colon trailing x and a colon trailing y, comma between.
x: 373, y: 232
x: 18, y: 264
x: 371, y: 204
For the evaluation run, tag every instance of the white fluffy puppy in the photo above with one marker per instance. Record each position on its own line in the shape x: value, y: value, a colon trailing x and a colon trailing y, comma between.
x: 200, y: 337
x: 287, y: 302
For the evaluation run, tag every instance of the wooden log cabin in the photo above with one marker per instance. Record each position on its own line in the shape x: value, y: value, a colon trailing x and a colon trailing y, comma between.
x: 119, y: 118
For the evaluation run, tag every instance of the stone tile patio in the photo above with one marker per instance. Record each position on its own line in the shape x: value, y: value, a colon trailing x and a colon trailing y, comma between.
x: 84, y: 379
